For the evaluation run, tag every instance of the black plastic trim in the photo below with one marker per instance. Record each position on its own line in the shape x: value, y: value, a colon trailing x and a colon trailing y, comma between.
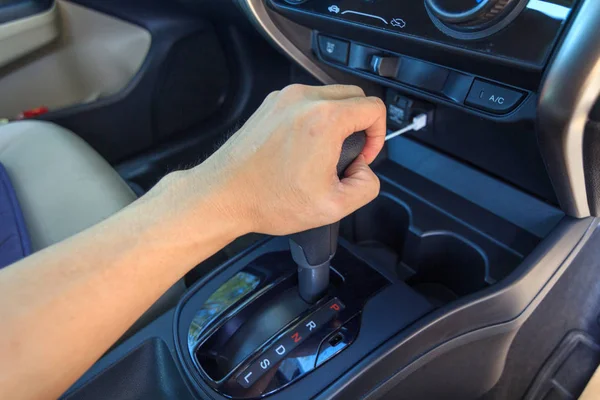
x: 19, y: 9
x: 501, y: 69
x: 495, y: 313
x: 535, y: 216
x: 498, y: 310
x: 525, y: 108
x: 567, y: 96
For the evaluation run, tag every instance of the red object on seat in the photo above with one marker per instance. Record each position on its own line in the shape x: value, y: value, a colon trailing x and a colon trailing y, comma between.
x: 34, y: 112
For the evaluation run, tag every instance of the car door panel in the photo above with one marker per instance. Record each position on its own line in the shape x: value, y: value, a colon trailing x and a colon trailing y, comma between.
x: 95, y: 56
x: 139, y: 78
x: 205, y: 71
x: 25, y: 26
x: 182, y: 81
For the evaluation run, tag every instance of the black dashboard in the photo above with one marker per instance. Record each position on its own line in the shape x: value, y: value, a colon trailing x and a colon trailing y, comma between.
x: 478, y: 66
x: 513, y: 32
x: 512, y: 47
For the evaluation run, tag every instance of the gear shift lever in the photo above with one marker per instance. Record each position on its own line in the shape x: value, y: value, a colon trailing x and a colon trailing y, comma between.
x: 313, y: 250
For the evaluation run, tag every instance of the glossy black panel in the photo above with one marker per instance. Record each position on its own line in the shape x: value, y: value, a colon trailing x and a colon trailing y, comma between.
x: 528, y: 40
x: 398, y: 71
x: 254, y: 335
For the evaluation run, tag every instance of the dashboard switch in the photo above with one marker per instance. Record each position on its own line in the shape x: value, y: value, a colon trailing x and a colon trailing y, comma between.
x: 493, y: 98
x: 385, y: 66
x: 360, y: 56
x: 334, y: 49
x: 423, y: 75
x: 457, y: 86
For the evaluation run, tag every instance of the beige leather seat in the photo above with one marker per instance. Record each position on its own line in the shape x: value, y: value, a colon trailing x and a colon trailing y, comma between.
x: 64, y: 187
x: 62, y: 184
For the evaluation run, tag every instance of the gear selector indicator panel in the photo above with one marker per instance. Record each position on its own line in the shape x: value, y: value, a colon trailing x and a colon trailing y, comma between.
x: 289, y: 341
x: 255, y: 335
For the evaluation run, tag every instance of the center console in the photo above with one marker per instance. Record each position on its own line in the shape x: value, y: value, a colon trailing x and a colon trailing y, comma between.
x: 424, y: 275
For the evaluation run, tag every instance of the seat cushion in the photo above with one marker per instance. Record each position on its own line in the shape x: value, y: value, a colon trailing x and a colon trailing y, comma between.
x: 64, y: 187
x: 14, y: 240
x: 62, y: 184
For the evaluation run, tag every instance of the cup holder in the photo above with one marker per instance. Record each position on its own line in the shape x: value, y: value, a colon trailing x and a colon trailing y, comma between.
x: 379, y: 232
x: 382, y: 225
x: 422, y: 247
x: 446, y: 260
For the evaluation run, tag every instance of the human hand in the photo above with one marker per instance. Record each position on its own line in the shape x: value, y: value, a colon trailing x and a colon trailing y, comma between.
x: 277, y: 174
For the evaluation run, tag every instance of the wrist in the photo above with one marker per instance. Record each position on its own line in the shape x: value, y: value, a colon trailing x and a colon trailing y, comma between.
x: 205, y: 202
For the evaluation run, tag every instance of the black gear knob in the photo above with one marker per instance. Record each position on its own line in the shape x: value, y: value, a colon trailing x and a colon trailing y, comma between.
x: 313, y: 250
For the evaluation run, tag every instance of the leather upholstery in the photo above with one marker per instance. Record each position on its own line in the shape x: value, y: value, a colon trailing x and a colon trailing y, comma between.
x: 62, y: 184
x: 14, y: 239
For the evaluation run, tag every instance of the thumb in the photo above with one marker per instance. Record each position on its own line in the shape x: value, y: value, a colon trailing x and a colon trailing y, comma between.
x: 359, y: 186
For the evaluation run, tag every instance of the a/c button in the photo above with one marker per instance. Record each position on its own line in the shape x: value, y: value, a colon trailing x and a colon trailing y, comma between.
x: 493, y: 98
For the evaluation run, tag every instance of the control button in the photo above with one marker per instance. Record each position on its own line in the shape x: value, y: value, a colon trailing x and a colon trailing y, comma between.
x: 292, y: 339
x: 334, y: 49
x: 360, y: 56
x: 422, y: 75
x: 385, y: 66
x: 493, y: 98
x: 457, y: 86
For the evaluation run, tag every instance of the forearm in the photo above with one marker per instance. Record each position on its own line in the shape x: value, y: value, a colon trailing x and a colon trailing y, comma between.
x: 62, y: 308
x: 87, y: 291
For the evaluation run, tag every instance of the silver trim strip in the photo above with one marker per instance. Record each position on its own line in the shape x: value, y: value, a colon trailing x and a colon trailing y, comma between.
x: 568, y: 94
x: 256, y: 10
x: 365, y: 15
x: 552, y: 10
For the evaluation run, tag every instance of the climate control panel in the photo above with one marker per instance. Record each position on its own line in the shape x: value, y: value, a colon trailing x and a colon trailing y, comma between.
x: 402, y: 72
x: 522, y: 32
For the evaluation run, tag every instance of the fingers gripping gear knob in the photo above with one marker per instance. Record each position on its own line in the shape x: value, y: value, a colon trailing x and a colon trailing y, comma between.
x: 313, y: 250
